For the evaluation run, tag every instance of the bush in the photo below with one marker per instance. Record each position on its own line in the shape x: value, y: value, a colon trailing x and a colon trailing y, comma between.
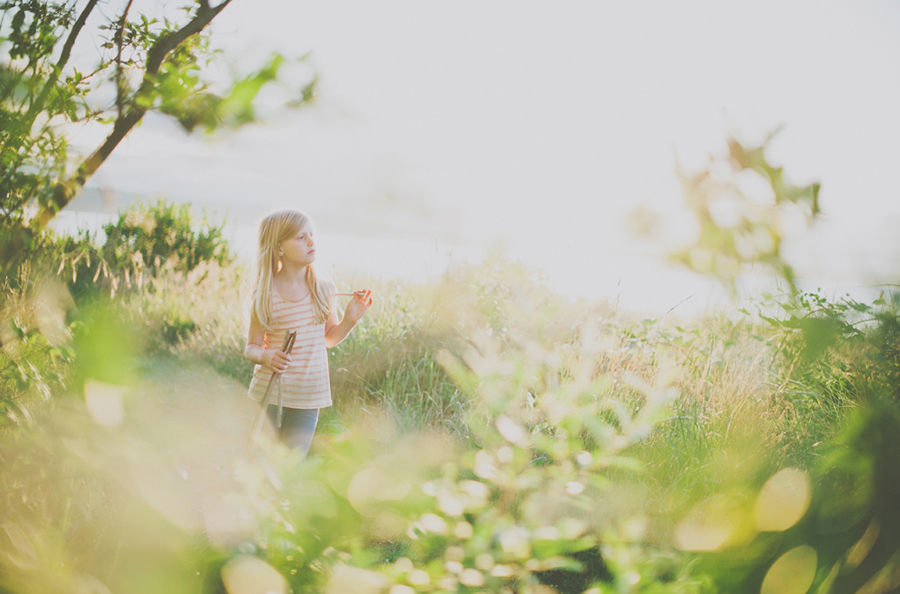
x: 144, y: 248
x: 140, y: 243
x: 163, y: 233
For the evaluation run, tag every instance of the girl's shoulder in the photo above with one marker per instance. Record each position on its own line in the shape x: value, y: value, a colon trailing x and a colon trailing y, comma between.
x: 326, y: 286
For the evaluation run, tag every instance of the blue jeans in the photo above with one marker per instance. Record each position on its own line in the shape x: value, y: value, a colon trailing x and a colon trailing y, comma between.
x: 297, y: 426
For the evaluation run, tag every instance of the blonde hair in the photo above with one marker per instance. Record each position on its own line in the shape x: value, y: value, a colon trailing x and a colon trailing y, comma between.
x: 273, y: 229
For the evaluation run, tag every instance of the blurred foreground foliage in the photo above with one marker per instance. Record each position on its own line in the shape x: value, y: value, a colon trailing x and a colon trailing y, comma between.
x: 487, y: 436
x: 743, y: 206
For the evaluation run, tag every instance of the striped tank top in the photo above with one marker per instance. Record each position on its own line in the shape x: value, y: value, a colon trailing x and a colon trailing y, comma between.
x: 306, y: 383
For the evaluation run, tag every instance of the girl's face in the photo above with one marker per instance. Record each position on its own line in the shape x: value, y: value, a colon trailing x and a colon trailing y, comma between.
x: 299, y: 250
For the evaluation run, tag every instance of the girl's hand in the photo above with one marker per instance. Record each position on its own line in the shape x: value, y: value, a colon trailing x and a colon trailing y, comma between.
x: 358, y: 306
x: 275, y: 360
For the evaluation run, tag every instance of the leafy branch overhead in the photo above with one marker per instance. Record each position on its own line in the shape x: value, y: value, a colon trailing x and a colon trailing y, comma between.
x: 741, y: 204
x: 152, y: 63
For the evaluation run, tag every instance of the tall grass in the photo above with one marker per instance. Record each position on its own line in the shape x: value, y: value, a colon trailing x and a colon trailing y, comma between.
x: 487, y: 435
x: 735, y: 400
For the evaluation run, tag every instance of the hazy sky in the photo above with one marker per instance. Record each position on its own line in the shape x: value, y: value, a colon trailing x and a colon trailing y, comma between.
x: 543, y: 124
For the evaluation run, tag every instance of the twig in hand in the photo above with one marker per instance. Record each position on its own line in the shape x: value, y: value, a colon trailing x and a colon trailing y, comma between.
x: 286, y: 347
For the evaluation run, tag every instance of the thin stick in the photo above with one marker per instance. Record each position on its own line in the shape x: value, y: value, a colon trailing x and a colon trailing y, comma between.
x: 344, y: 294
x: 286, y: 347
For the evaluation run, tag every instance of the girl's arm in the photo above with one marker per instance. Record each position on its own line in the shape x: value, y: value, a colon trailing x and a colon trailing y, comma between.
x: 337, y: 330
x: 255, y: 352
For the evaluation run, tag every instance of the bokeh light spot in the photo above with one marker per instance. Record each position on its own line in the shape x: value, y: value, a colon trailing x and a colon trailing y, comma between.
x: 249, y: 575
x: 472, y: 578
x: 433, y: 523
x: 418, y: 577
x: 374, y: 484
x: 792, y: 573
x: 707, y: 527
x: 783, y: 500
x: 346, y: 578
x: 510, y: 430
x: 104, y: 403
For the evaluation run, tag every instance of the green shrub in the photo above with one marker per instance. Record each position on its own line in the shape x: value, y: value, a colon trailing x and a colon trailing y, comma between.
x: 35, y: 349
x: 146, y: 247
x: 141, y: 242
x: 162, y: 232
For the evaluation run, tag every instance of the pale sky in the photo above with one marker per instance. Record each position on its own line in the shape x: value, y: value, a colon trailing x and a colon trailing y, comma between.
x: 541, y: 125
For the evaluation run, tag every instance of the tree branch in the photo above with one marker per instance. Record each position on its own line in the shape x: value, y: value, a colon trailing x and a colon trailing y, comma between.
x: 38, y: 105
x: 65, y: 191
x: 120, y: 37
x: 165, y: 45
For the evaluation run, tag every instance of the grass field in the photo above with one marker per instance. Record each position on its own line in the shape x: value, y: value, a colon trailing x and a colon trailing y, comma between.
x: 487, y: 436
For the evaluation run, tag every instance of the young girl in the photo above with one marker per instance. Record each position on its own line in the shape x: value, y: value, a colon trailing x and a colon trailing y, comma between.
x: 288, y: 297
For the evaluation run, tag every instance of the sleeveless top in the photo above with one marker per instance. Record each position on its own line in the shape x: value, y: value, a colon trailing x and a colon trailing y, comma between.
x: 305, y: 383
